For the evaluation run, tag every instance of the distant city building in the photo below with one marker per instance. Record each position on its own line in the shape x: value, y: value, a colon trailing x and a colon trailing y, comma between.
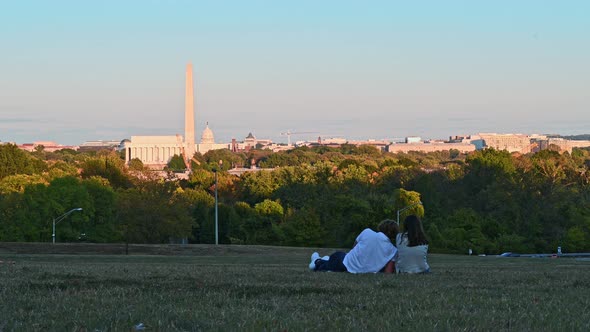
x: 238, y: 171
x: 415, y: 144
x: 430, y: 147
x: 153, y: 151
x: 279, y: 147
x: 564, y: 145
x: 338, y: 142
x: 510, y: 142
x: 100, y: 145
x: 48, y: 146
x: 251, y: 142
x: 471, y: 139
x: 208, y: 142
x: 379, y: 144
x: 520, y: 143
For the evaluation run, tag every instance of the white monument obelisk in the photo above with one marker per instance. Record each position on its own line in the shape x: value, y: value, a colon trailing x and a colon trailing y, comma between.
x: 189, y: 116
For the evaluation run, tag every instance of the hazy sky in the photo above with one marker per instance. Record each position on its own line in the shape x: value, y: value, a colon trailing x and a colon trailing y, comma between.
x: 72, y: 71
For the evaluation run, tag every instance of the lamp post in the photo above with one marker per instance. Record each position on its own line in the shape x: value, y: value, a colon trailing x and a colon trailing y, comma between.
x: 216, y: 204
x: 405, y: 208
x: 60, y: 218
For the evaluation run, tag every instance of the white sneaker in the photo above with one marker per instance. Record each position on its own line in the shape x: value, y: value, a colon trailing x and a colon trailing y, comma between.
x: 315, y: 256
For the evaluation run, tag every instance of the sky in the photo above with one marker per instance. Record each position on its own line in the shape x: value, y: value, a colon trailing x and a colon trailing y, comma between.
x: 73, y: 71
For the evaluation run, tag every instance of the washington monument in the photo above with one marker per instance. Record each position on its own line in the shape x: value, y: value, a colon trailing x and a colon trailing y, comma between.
x: 189, y: 116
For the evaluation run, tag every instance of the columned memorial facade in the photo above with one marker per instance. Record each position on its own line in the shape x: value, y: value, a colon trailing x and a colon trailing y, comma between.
x: 152, y: 150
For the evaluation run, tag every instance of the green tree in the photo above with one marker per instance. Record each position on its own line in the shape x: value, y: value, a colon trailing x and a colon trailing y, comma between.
x: 101, y: 226
x: 577, y: 238
x: 65, y: 194
x: 15, y: 161
x: 407, y: 203
x: 200, y: 178
x: 488, y: 166
x: 60, y: 169
x: 368, y: 151
x: 151, y: 213
x: 136, y: 164
x: 176, y: 164
x: 303, y: 228
x: 257, y: 186
x: 107, y: 165
x: 270, y: 208
x: 229, y: 159
x: 463, y: 232
x: 11, y: 228
x: 200, y: 204
x: 28, y: 216
x: 18, y: 182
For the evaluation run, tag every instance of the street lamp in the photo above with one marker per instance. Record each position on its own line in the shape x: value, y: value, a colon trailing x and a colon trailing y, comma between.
x: 404, y: 209
x: 60, y: 218
x: 216, y: 204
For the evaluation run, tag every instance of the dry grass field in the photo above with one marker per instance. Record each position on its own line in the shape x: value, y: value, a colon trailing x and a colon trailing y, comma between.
x: 256, y: 288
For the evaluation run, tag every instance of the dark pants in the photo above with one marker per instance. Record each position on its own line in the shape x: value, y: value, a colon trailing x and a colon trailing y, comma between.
x: 335, y: 264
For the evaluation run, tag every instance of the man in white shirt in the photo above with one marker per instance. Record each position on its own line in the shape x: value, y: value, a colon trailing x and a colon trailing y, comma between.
x: 373, y: 252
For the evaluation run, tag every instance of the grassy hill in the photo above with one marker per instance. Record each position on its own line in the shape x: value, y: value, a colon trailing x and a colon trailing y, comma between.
x: 256, y: 288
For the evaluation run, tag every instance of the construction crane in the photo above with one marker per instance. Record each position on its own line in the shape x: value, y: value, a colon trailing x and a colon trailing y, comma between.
x: 289, y: 133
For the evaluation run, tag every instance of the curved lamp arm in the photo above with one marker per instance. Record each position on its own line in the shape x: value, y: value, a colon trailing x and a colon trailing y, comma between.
x: 60, y: 218
x: 63, y: 216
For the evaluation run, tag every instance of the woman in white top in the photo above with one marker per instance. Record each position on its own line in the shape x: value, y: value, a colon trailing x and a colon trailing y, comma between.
x: 372, y: 252
x: 412, y: 248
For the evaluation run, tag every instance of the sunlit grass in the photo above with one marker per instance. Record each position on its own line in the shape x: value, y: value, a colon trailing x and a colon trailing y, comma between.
x: 273, y: 290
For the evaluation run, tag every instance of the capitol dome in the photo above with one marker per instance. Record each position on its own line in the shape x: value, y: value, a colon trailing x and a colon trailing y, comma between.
x: 207, y: 136
x: 124, y: 143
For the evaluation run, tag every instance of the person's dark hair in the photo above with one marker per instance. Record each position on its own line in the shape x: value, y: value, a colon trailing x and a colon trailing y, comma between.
x: 414, y: 231
x: 390, y: 228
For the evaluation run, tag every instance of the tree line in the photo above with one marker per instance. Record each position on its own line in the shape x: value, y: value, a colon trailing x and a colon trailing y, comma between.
x: 490, y: 201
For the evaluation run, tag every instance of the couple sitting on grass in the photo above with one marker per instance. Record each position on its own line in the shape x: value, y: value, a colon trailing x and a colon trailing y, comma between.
x: 375, y: 251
